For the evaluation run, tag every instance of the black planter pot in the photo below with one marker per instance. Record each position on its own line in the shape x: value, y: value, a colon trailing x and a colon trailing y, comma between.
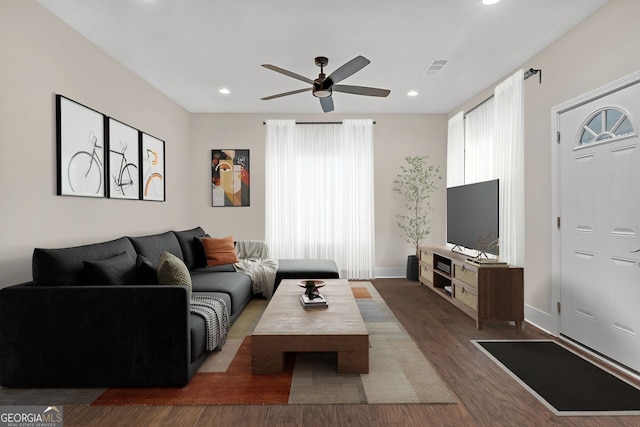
x: 413, y: 268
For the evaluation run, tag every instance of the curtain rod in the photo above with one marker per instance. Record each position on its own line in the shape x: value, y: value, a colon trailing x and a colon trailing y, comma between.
x: 317, y: 123
x: 529, y: 73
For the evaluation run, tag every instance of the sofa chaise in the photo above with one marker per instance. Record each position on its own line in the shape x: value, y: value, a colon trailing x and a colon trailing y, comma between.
x: 95, y: 315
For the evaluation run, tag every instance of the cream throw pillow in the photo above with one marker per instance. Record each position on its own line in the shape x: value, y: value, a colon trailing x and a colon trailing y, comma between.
x: 173, y: 271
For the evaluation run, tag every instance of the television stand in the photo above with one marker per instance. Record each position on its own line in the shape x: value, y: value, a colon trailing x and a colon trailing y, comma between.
x: 484, y: 262
x: 485, y: 292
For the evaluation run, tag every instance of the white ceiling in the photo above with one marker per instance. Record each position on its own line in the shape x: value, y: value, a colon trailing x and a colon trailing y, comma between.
x: 189, y: 49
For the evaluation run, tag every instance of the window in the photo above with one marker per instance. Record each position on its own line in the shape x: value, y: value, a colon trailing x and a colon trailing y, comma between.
x: 319, y: 193
x: 604, y: 125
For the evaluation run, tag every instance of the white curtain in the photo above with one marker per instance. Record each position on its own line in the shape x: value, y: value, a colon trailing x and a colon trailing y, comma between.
x: 455, y: 151
x: 280, y: 137
x: 479, y: 143
x: 319, y: 193
x: 509, y: 146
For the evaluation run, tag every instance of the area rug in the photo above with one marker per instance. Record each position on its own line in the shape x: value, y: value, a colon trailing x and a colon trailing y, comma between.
x: 398, y: 371
x: 564, y: 381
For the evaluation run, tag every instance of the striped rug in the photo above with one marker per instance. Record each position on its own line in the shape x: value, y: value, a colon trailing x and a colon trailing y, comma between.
x: 398, y: 371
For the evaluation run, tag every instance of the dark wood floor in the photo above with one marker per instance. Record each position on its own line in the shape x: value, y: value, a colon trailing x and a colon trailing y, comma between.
x: 487, y: 396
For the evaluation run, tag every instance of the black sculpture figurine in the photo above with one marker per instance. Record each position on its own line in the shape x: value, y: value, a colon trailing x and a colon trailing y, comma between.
x: 312, y: 289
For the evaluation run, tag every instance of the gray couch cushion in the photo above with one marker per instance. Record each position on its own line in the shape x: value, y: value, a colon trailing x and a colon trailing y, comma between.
x: 65, y: 266
x: 229, y: 268
x: 198, y: 336
x: 236, y: 285
x: 151, y: 247
x: 116, y: 270
x: 192, y: 250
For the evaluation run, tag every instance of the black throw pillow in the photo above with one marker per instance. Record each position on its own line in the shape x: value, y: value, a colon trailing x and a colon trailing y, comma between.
x: 116, y: 270
x: 200, y: 257
x: 146, y: 272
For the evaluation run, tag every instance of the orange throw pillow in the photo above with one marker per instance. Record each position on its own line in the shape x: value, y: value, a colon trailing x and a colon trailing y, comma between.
x: 219, y: 251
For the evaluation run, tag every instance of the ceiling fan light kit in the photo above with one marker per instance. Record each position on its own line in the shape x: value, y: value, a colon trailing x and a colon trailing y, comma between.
x: 323, y: 87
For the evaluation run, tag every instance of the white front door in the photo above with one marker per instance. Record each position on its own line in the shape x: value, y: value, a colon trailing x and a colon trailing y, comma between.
x: 599, y: 174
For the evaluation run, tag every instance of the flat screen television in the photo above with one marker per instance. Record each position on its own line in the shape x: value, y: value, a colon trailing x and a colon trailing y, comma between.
x: 473, y: 216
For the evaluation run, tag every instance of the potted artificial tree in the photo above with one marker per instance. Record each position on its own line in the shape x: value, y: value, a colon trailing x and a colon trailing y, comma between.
x: 415, y: 182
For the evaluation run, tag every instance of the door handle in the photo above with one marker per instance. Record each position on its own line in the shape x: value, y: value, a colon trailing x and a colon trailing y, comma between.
x: 636, y: 251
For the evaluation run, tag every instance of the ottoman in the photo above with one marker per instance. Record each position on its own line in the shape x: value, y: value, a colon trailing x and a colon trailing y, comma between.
x: 306, y: 269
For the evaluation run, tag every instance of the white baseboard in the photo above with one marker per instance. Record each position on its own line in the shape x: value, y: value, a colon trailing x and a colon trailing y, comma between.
x: 540, y: 319
x: 390, y: 272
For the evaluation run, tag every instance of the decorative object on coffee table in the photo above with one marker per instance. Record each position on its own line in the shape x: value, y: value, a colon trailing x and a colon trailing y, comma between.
x: 415, y: 182
x: 312, y: 297
x: 311, y: 287
x: 318, y: 301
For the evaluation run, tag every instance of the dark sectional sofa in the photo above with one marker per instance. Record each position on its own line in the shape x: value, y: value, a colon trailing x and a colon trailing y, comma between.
x: 94, y: 315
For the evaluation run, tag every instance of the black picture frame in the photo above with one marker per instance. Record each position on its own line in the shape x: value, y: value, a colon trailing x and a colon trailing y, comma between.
x: 123, y: 160
x: 80, y: 140
x: 152, y: 170
x: 230, y: 178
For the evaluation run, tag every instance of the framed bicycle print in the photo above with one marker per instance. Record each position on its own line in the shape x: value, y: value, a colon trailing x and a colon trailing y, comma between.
x: 152, y: 181
x: 123, y: 145
x: 80, y: 149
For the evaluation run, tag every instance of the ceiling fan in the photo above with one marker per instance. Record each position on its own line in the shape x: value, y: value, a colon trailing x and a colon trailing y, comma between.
x: 324, y: 86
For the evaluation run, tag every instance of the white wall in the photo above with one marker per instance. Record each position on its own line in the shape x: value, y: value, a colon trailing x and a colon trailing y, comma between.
x: 40, y: 57
x: 601, y: 49
x: 395, y: 137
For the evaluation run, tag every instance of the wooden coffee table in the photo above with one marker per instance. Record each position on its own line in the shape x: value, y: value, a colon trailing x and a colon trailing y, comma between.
x: 286, y: 326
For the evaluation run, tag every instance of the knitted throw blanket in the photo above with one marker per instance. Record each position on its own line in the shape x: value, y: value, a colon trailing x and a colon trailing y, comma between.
x: 254, y: 262
x: 262, y: 273
x: 216, y: 317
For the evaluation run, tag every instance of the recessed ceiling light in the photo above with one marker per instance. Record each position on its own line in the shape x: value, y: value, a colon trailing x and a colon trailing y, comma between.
x: 224, y: 91
x: 412, y: 93
x: 489, y: 2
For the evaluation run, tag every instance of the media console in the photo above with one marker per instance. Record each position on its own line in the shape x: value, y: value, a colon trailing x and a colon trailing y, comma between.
x: 488, y: 292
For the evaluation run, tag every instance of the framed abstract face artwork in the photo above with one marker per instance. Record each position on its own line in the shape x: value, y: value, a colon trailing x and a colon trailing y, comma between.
x: 230, y: 178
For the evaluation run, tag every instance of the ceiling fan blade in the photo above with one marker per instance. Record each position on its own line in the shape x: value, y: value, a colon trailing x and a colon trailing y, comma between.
x: 293, y: 92
x: 288, y: 73
x: 351, y: 67
x: 327, y: 104
x: 361, y: 90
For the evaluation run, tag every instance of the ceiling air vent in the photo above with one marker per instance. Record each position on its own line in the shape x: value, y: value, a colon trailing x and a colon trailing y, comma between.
x: 435, y: 66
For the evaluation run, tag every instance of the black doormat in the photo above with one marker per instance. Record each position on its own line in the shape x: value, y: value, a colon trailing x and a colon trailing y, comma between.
x: 563, y: 380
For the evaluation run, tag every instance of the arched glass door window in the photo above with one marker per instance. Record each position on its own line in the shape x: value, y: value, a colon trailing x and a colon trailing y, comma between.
x: 605, y: 124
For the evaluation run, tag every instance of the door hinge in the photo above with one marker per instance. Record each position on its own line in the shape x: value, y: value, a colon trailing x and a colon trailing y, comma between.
x: 558, y: 307
x: 558, y: 221
x: 558, y: 137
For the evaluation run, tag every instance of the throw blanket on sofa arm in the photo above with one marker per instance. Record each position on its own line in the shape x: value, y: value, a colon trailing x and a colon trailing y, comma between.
x: 216, y: 317
x: 252, y: 249
x: 254, y: 262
